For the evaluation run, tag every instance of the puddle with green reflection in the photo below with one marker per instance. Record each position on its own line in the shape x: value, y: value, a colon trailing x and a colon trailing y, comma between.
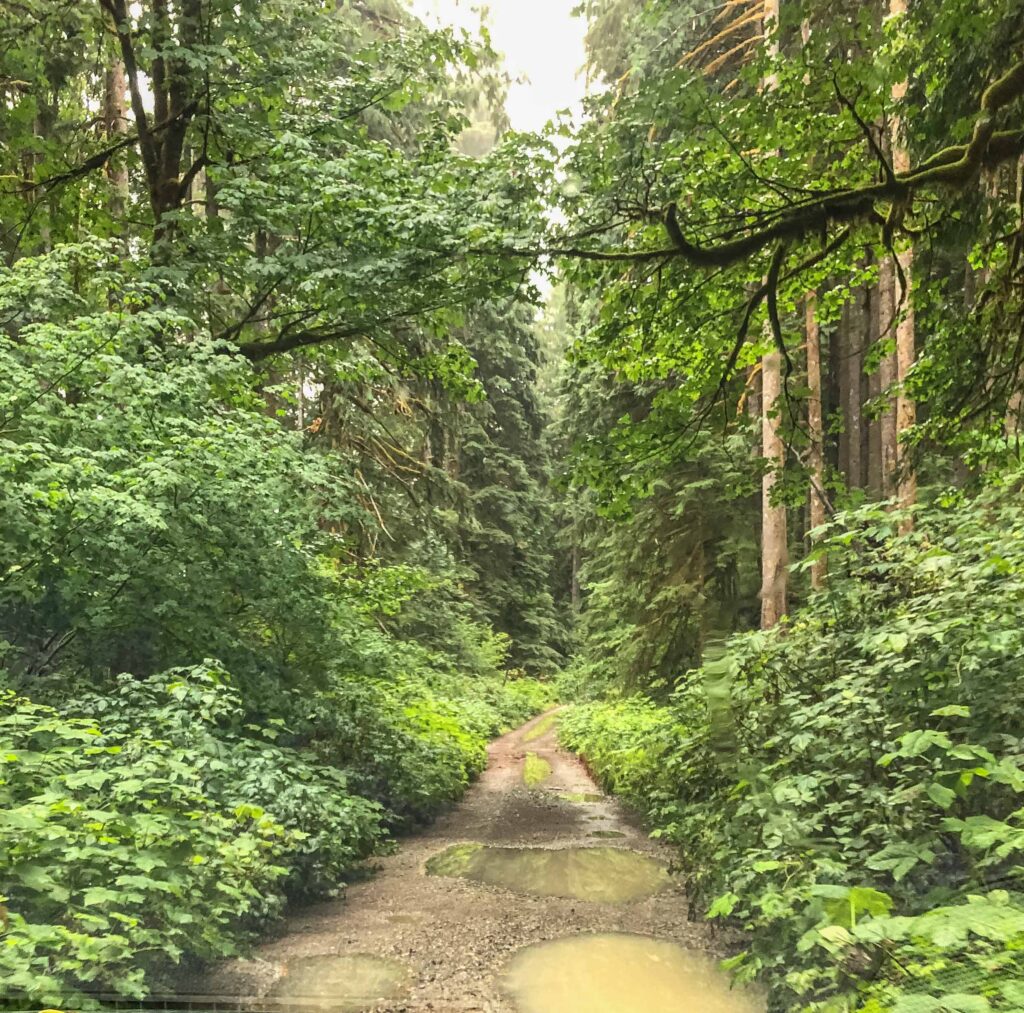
x: 340, y: 984
x: 542, y: 727
x: 536, y: 770
x: 580, y: 796
x: 618, y: 973
x: 606, y: 833
x: 602, y: 874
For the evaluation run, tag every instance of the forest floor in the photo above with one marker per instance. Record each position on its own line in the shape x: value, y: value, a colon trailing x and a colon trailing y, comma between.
x: 451, y: 937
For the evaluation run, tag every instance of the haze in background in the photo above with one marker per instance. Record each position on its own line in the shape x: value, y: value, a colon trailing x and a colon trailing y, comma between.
x: 543, y: 47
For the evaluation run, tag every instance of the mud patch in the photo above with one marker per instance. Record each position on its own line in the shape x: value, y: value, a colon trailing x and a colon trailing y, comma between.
x: 618, y: 973
x: 536, y: 770
x: 581, y: 796
x: 338, y: 984
x: 606, y: 833
x: 600, y: 874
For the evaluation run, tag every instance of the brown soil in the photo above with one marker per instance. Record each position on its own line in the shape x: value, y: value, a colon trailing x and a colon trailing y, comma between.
x: 455, y: 936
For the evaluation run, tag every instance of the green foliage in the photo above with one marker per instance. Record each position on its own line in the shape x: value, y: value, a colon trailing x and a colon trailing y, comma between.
x: 154, y: 513
x: 508, y: 521
x: 415, y: 744
x: 866, y: 800
x: 151, y: 512
x: 158, y: 820
x: 113, y: 851
x: 239, y: 327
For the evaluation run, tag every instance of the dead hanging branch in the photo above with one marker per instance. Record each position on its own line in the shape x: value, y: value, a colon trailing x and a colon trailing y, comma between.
x: 752, y: 16
x: 954, y: 167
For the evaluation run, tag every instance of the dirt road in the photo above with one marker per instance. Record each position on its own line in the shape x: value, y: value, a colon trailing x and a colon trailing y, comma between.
x: 448, y: 939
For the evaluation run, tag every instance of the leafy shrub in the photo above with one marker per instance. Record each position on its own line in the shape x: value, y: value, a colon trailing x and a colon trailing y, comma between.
x: 111, y: 852
x: 156, y: 820
x: 624, y: 742
x: 242, y: 763
x: 416, y: 743
x: 852, y: 797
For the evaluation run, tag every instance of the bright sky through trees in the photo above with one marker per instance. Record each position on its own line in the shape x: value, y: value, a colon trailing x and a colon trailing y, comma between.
x: 543, y: 47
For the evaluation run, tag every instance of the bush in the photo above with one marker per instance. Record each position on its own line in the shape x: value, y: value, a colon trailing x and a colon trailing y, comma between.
x: 155, y: 820
x: 624, y: 742
x: 112, y: 852
x: 415, y: 744
x: 852, y: 797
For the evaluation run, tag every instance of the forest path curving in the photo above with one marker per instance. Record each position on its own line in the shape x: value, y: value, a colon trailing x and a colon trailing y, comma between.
x: 454, y: 936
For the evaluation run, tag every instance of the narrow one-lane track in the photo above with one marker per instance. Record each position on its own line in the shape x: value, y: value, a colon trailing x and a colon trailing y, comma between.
x: 454, y: 936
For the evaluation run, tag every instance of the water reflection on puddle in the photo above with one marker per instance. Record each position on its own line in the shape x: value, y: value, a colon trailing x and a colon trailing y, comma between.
x: 536, y: 770
x: 602, y: 874
x: 616, y: 973
x: 340, y: 984
x: 581, y: 796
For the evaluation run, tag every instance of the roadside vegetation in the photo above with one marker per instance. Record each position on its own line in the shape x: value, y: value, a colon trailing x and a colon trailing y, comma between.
x: 308, y: 485
x: 849, y: 789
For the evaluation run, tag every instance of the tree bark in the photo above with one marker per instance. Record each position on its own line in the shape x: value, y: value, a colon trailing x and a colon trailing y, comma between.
x: 574, y: 580
x: 887, y: 378
x: 774, y: 549
x: 874, y: 481
x: 816, y: 454
x: 850, y: 396
x: 1015, y: 401
x: 115, y: 124
x: 906, y: 410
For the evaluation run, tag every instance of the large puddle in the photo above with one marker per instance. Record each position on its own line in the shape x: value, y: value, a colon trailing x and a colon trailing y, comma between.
x: 536, y: 770
x: 602, y: 874
x: 340, y: 984
x: 621, y: 974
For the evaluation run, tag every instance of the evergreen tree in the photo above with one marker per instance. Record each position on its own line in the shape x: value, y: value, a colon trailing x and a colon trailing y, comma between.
x: 508, y: 525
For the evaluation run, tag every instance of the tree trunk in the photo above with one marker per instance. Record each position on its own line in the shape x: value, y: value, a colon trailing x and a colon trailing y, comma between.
x: 774, y: 555
x: 115, y: 124
x: 874, y: 442
x: 774, y: 550
x: 850, y: 397
x: 887, y: 378
x: 574, y: 579
x: 174, y: 87
x: 1016, y: 398
x: 906, y: 412
x: 816, y: 455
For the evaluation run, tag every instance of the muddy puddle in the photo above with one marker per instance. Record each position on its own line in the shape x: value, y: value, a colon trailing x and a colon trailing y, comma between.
x: 606, y: 833
x: 338, y: 984
x: 536, y: 770
x: 601, y: 874
x: 617, y: 973
x: 581, y: 796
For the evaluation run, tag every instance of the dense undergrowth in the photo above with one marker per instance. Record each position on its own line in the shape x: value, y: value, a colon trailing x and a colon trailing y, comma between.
x: 156, y: 807
x: 162, y: 822
x: 849, y: 789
